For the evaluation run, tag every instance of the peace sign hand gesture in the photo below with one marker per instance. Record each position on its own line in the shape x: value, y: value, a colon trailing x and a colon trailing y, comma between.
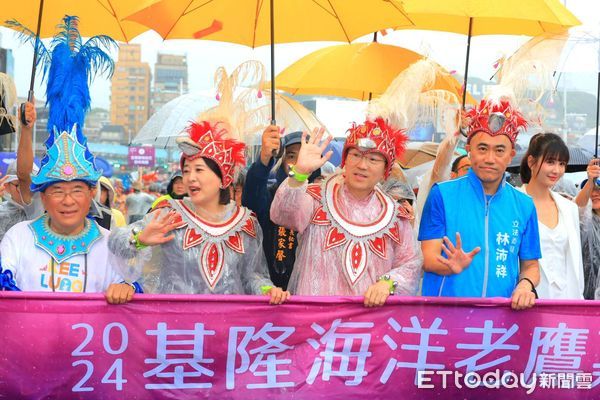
x: 310, y: 157
x: 457, y: 260
x: 156, y: 230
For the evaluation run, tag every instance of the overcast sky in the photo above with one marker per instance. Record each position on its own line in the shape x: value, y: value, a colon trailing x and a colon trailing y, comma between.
x: 205, y: 56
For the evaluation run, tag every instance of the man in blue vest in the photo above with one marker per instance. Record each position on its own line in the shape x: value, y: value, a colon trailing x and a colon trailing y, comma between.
x: 494, y: 227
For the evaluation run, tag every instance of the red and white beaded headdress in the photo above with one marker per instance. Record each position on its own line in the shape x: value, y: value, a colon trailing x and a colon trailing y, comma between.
x: 376, y: 137
x: 219, y: 132
x: 495, y: 117
x: 209, y: 140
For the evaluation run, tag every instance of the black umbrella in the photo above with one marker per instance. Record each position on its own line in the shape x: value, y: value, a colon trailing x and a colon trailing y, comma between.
x: 579, y: 159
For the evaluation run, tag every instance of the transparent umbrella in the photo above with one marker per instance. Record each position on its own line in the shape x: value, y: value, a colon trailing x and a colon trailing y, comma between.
x: 171, y: 120
x: 577, y: 51
x: 291, y: 115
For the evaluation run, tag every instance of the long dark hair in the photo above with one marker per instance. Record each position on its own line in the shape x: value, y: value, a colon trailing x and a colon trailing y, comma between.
x: 543, y: 146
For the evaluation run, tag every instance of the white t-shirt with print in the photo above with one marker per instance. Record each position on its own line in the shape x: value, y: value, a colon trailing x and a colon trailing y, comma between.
x: 32, y: 267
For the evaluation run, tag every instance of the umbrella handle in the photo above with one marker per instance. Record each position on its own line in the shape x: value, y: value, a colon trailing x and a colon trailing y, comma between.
x: 466, y: 77
x: 277, y: 153
x: 35, y: 53
x: 597, y: 115
x: 22, y: 108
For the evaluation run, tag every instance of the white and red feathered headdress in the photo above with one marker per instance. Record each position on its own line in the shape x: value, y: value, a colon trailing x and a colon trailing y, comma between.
x: 495, y: 117
x: 219, y: 132
x: 376, y: 136
x: 209, y: 140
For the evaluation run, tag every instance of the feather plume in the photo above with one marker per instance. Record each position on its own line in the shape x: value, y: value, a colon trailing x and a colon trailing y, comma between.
x: 69, y: 70
x: 8, y: 91
x: 27, y: 36
x: 8, y: 96
x: 411, y: 98
x: 236, y: 98
x: 525, y: 78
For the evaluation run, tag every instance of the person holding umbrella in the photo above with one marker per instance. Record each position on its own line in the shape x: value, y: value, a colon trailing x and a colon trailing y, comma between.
x: 63, y: 250
x: 279, y: 243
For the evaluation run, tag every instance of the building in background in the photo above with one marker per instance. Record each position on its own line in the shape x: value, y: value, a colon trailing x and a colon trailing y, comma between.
x: 95, y: 120
x: 7, y: 62
x: 130, y: 91
x: 112, y: 134
x: 170, y: 79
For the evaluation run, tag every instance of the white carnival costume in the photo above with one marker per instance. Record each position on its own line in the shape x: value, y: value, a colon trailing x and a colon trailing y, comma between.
x: 34, y: 257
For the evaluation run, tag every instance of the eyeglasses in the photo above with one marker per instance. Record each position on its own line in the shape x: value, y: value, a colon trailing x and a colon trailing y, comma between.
x: 76, y: 194
x: 371, y: 159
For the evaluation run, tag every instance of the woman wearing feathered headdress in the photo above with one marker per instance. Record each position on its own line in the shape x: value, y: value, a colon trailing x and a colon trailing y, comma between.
x: 205, y: 243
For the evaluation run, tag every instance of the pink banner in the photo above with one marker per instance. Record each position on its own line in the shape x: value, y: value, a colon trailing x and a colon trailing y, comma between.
x: 187, y: 347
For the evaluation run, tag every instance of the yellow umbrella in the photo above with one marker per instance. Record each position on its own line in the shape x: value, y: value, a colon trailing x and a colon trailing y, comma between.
x: 489, y: 17
x: 256, y: 23
x: 96, y: 16
x: 358, y: 70
x: 99, y: 17
x: 248, y: 22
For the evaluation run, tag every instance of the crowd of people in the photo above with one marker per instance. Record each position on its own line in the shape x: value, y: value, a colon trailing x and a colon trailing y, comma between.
x: 293, y: 224
x: 346, y: 231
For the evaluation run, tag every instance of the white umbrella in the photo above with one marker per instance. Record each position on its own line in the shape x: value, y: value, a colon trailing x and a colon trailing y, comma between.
x: 582, y: 54
x: 291, y: 115
x: 574, y: 52
x: 172, y: 119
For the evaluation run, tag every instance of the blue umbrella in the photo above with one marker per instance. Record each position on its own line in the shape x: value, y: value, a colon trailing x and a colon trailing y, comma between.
x: 104, y: 166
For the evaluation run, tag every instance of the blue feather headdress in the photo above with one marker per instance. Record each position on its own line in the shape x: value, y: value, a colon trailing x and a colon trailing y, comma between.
x: 69, y: 66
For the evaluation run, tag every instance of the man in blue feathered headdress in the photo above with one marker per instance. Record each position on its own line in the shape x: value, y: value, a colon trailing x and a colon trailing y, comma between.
x: 64, y: 250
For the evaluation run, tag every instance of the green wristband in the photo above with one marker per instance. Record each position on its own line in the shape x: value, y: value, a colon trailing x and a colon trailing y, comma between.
x: 138, y: 244
x: 297, y: 175
x: 388, y: 279
x: 391, y: 285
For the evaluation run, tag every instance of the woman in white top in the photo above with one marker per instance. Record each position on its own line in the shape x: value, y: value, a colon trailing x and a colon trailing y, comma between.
x: 558, y: 218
